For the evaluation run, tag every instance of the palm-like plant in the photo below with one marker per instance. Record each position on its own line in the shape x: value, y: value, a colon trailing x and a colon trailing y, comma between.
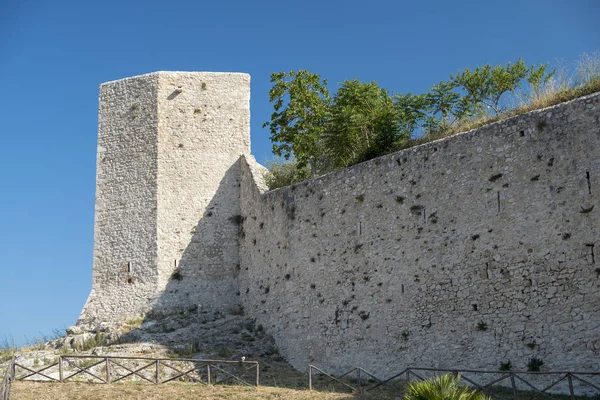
x: 445, y: 387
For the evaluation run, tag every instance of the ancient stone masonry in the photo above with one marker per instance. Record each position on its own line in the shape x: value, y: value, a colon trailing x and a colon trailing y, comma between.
x: 469, y: 251
x: 167, y: 197
x: 465, y: 252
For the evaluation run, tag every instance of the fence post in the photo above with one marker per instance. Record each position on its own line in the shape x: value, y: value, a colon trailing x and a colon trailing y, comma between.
x: 60, y: 368
x: 514, y: 386
x: 257, y: 375
x: 156, y: 377
x: 107, y: 366
x: 309, y: 377
x: 571, y: 391
x: 358, y: 381
x: 208, y: 373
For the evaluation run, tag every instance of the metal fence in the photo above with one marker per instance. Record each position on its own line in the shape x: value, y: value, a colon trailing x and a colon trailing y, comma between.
x: 515, y: 385
x: 111, y: 369
x: 9, y: 376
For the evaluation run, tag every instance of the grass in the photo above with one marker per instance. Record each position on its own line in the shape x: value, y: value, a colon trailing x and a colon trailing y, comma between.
x: 182, y: 391
x: 186, y: 351
x: 131, y: 324
x: 8, y: 349
x: 97, y: 340
x: 178, y: 390
x: 548, y: 99
x: 278, y: 381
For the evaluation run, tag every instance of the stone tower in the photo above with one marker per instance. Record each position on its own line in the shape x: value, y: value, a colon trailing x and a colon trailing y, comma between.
x: 167, y: 193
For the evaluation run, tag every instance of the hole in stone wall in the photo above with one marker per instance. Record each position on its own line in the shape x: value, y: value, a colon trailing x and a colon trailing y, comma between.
x: 521, y: 133
x: 586, y: 210
x: 474, y: 307
x: 495, y: 177
x: 127, y: 267
x: 498, y: 200
x: 592, y: 255
x: 587, y: 175
x: 540, y: 125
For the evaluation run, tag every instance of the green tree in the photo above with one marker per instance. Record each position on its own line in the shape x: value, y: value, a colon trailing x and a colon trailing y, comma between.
x: 433, y: 111
x: 301, y: 105
x: 411, y: 110
x: 444, y: 100
x: 538, y: 78
x: 487, y: 84
x: 282, y: 173
x: 362, y: 123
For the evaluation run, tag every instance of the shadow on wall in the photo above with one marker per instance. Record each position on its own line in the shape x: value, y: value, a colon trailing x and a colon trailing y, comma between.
x: 202, y: 284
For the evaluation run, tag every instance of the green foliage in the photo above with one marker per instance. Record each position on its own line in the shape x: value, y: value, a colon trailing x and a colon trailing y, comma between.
x: 176, y: 275
x: 481, y: 326
x: 97, y: 340
x: 445, y: 387
x: 505, y: 366
x: 361, y: 121
x: 185, y: 351
x: 531, y: 345
x: 486, y: 85
x: 538, y: 78
x: 223, y: 352
x: 247, y: 337
x: 301, y: 105
x: 285, y: 173
x: 534, y: 364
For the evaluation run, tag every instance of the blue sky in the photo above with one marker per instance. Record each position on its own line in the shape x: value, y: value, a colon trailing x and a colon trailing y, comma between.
x: 55, y: 54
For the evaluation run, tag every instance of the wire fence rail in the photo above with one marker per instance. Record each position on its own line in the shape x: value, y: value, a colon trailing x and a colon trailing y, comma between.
x: 514, y: 385
x: 9, y: 376
x: 112, y: 369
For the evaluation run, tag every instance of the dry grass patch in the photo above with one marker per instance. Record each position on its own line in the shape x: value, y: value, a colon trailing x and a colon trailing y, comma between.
x: 182, y: 391
x: 547, y: 100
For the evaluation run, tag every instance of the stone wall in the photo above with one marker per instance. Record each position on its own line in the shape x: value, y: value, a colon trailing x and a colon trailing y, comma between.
x: 167, y: 201
x: 203, y: 130
x: 125, y: 252
x: 469, y: 251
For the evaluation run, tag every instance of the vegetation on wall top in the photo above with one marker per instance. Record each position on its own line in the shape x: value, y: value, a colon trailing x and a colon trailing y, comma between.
x: 316, y: 132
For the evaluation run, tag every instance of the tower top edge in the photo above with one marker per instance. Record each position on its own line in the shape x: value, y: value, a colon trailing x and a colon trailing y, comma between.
x: 199, y: 74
